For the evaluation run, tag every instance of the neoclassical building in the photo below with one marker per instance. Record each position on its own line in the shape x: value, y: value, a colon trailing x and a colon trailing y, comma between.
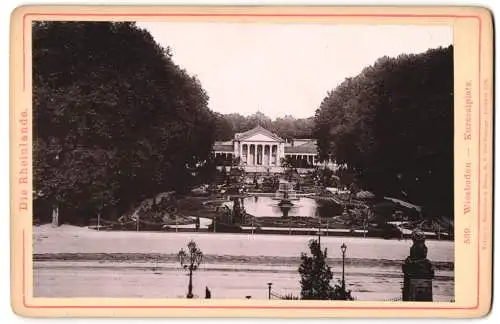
x: 260, y: 150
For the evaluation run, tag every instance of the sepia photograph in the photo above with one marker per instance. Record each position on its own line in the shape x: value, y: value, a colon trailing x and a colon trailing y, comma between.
x: 243, y: 161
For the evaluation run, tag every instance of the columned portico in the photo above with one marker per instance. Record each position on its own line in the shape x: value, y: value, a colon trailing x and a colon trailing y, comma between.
x: 259, y: 154
x: 260, y: 150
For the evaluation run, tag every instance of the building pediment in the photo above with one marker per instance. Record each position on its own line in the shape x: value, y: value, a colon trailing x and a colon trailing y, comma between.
x: 259, y: 134
x: 259, y: 137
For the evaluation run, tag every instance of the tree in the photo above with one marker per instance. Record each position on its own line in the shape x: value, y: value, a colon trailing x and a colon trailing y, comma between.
x: 224, y: 130
x: 207, y: 170
x: 392, y: 125
x: 235, y: 162
x: 316, y: 275
x: 290, y: 297
x: 345, y: 176
x: 289, y: 127
x: 326, y: 177
x: 115, y: 119
x: 261, y: 119
x: 286, y: 127
x: 287, y: 163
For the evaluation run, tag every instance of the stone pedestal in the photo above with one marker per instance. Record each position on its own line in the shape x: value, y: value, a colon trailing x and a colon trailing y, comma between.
x: 55, y: 217
x: 418, y: 272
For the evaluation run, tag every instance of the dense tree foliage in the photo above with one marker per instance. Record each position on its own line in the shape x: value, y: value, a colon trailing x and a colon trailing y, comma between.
x: 316, y: 275
x: 393, y: 126
x: 115, y: 120
x: 287, y: 127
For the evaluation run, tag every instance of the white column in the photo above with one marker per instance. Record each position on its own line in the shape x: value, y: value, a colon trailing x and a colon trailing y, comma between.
x: 271, y: 161
x: 278, y: 155
x: 280, y: 152
x: 256, y: 156
x: 264, y: 154
x: 255, y: 148
x: 275, y: 154
x: 271, y: 158
x: 261, y: 154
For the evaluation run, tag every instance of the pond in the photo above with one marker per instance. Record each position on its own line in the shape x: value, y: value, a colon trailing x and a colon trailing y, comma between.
x: 262, y: 206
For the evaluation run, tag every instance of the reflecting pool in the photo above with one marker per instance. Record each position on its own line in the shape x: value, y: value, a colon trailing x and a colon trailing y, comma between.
x: 263, y: 206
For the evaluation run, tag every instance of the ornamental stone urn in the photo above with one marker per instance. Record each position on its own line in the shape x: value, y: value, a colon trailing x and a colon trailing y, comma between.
x: 418, y: 271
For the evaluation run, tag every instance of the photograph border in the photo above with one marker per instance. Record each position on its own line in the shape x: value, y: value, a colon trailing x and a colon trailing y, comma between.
x: 25, y: 15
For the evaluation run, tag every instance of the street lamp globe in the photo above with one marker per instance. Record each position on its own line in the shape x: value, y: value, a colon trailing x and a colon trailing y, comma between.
x: 343, y: 247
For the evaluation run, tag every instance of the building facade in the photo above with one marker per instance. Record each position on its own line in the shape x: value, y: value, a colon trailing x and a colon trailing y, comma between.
x: 259, y: 150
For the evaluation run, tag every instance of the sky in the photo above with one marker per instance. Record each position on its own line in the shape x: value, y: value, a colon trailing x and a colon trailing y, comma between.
x: 284, y: 69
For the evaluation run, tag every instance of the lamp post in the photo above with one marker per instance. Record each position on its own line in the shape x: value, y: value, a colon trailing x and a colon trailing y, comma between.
x: 343, y: 248
x: 190, y: 261
x: 269, y: 284
x: 319, y: 232
x: 137, y: 223
x: 365, y: 221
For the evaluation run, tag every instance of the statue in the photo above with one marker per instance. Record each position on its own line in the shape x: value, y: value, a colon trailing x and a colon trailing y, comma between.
x: 226, y: 214
x: 197, y: 223
x: 418, y: 251
x: 237, y: 211
x: 418, y: 271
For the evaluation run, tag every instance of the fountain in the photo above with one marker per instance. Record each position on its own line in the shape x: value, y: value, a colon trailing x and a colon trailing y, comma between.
x: 285, y: 192
x: 285, y: 206
x: 284, y: 202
